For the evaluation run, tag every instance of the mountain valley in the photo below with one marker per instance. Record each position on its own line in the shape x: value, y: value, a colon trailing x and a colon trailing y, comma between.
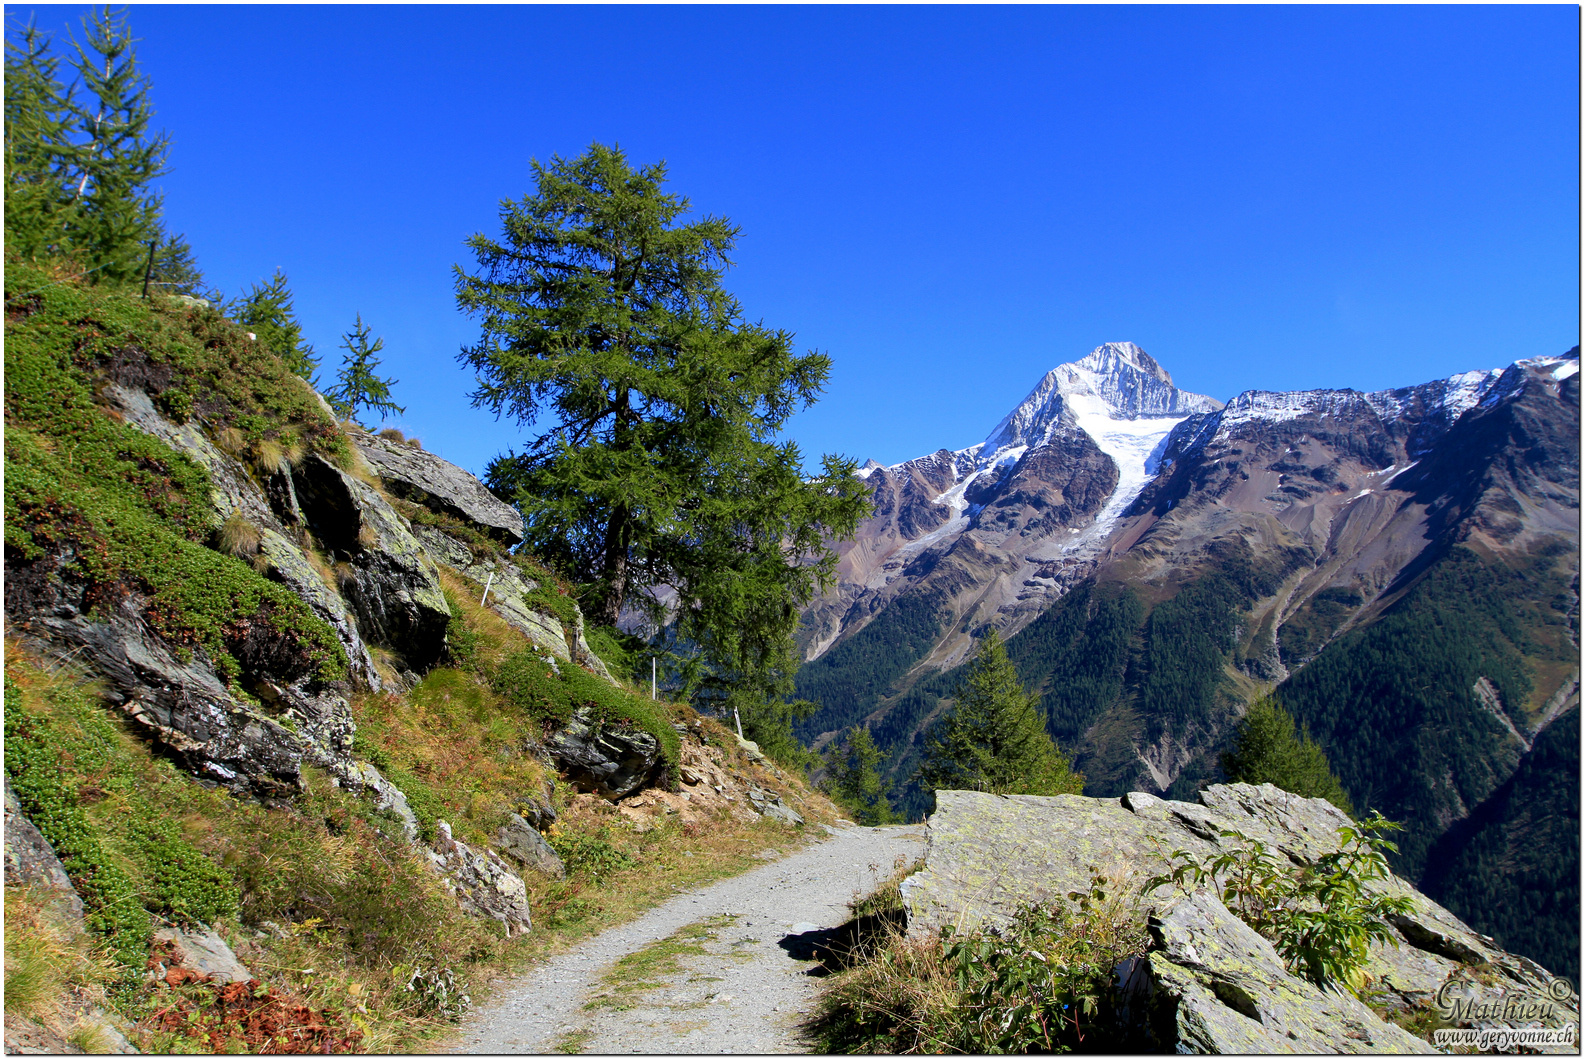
x: 1401, y: 567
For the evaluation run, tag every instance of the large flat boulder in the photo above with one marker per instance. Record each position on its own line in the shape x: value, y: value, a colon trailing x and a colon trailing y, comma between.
x: 1223, y: 987
x: 442, y: 486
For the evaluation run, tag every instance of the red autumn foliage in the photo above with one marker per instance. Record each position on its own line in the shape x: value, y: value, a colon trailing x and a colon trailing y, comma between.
x: 265, y: 1022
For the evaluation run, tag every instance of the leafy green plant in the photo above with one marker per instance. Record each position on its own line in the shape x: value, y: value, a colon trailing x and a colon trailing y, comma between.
x: 1321, y: 918
x: 1038, y: 983
x: 588, y: 855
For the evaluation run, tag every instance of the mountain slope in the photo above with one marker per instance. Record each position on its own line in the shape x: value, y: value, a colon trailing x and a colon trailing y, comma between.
x: 1401, y: 565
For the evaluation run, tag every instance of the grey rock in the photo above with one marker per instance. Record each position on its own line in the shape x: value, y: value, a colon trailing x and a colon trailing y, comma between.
x: 1223, y: 986
x: 31, y: 861
x: 521, y: 841
x: 233, y: 490
x: 482, y: 883
x: 364, y: 777
x: 769, y: 804
x: 751, y: 749
x: 439, y: 485
x: 507, y: 595
x: 183, y: 705
x: 606, y: 759
x: 290, y: 567
x: 393, y: 586
x: 1227, y: 991
x: 204, y: 952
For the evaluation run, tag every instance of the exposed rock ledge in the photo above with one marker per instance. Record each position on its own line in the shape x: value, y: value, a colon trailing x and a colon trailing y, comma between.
x: 1209, y: 982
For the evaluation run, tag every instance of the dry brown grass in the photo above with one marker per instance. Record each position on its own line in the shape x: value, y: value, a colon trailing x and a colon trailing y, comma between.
x: 239, y: 537
x: 46, y: 961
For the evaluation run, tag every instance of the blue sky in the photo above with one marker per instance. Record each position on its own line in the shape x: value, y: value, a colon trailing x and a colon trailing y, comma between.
x: 948, y: 201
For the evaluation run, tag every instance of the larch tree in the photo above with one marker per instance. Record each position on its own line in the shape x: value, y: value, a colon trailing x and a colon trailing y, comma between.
x: 266, y: 310
x: 994, y: 739
x: 658, y: 480
x: 357, y: 386
x: 855, y: 781
x: 80, y: 161
x: 1270, y: 748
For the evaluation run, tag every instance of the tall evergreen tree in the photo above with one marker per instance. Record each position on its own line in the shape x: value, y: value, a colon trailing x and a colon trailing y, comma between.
x: 266, y: 310
x: 38, y: 203
x: 176, y: 271
x: 358, y: 386
x: 117, y: 213
x: 855, y: 781
x: 602, y: 308
x: 1268, y: 748
x: 80, y: 161
x: 994, y: 740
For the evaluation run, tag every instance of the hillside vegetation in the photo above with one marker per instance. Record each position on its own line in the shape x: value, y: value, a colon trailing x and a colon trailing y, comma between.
x: 346, y: 925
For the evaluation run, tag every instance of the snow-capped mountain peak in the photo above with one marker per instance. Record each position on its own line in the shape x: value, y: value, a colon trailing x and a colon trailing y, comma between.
x: 1117, y: 381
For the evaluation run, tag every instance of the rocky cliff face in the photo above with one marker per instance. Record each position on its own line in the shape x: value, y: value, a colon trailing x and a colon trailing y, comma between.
x: 1209, y: 983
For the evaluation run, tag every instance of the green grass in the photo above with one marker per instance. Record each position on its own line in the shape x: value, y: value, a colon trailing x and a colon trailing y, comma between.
x: 653, y: 966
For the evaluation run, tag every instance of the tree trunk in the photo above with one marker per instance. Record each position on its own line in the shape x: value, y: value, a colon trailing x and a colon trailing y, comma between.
x: 615, y: 572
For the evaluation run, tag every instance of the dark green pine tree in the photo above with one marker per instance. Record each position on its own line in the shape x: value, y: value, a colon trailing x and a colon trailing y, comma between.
x: 266, y: 310
x: 1268, y: 748
x: 116, y: 213
x: 359, y: 386
x: 994, y: 739
x: 176, y: 271
x: 855, y: 782
x: 602, y: 308
x: 38, y: 203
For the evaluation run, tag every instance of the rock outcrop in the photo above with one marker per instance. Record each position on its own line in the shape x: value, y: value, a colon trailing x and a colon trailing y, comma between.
x: 392, y: 585
x: 482, y: 882
x: 1209, y: 983
x: 442, y: 486
x: 522, y: 842
x: 609, y: 760
x: 507, y: 591
x: 31, y: 861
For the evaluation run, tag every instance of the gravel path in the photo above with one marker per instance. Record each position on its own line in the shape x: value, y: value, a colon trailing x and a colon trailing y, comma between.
x: 745, y: 993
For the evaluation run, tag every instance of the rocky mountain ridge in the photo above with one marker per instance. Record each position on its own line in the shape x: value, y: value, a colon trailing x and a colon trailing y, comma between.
x: 1290, y: 542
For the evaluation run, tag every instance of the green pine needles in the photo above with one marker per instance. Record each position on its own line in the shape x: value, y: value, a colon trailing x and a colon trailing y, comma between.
x: 855, y: 781
x: 1270, y: 749
x: 995, y: 739
x: 80, y: 160
x: 601, y: 308
x: 357, y: 385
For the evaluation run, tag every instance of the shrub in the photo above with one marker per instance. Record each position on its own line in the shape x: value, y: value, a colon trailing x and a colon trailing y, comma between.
x: 1321, y: 918
x: 589, y: 855
x: 32, y: 761
x: 1041, y: 982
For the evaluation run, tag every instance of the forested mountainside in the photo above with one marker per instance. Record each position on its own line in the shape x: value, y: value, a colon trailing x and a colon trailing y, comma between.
x: 1401, y: 566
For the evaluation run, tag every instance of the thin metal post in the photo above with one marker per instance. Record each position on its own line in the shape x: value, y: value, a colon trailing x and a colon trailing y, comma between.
x: 738, y: 719
x: 487, y: 585
x: 654, y: 669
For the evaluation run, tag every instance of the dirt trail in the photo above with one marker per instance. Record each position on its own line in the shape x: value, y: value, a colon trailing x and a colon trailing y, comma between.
x: 732, y: 985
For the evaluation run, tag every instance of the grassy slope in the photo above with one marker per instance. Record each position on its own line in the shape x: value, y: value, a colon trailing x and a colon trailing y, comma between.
x: 327, y: 910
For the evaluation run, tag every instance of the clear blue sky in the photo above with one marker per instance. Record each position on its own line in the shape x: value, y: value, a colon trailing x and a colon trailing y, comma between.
x: 949, y: 201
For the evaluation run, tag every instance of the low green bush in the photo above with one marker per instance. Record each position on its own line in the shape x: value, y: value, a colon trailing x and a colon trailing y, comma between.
x: 1322, y: 917
x: 33, y: 765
